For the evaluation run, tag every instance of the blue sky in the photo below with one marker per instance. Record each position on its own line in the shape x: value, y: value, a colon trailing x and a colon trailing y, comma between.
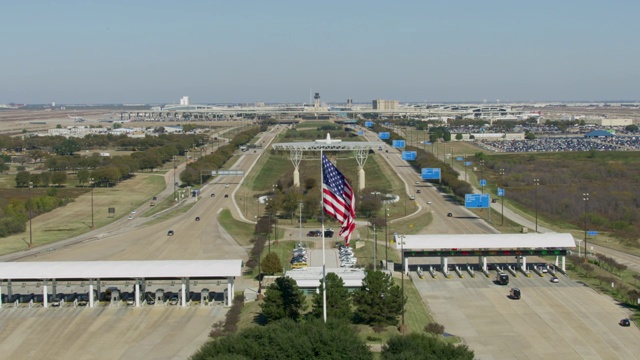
x: 275, y: 51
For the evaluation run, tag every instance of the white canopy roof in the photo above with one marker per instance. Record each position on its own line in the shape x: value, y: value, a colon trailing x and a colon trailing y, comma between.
x: 486, y: 241
x: 120, y: 269
x: 310, y: 277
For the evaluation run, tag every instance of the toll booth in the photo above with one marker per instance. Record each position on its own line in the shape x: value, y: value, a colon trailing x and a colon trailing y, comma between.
x: 159, y: 296
x: 204, y: 297
x: 115, y: 296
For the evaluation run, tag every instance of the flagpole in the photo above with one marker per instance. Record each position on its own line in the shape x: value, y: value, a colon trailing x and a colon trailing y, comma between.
x: 324, y: 260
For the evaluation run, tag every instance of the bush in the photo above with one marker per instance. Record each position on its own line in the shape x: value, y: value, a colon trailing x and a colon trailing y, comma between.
x: 434, y: 328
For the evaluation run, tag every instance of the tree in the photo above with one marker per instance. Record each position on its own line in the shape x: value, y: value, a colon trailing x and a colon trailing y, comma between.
x: 23, y: 178
x: 338, y: 299
x: 83, y: 176
x: 287, y: 339
x: 631, y: 128
x: 458, y: 136
x: 45, y: 178
x: 271, y: 264
x: 283, y: 299
x: 3, y: 167
x: 369, y: 204
x: 379, y: 301
x: 67, y: 147
x: 422, y: 346
x: 529, y: 135
x: 58, y: 177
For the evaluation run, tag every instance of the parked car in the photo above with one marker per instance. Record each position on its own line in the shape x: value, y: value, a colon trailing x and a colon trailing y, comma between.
x: 314, y: 233
x: 625, y: 322
x: 328, y: 233
x: 170, y: 233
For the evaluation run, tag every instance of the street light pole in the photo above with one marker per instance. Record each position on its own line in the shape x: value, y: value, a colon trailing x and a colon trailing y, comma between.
x: 402, y: 327
x: 585, y: 198
x: 386, y: 238
x: 300, y: 243
x: 30, y: 215
x: 502, y: 197
x: 174, y: 179
x: 92, y: 186
x: 482, y: 173
x: 536, y: 183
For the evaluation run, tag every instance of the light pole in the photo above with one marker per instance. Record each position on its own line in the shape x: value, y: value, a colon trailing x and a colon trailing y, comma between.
x: 502, y: 199
x: 585, y: 199
x: 465, y: 167
x: 536, y: 183
x: 386, y: 238
x: 452, y: 157
x: 175, y: 198
x: 91, y: 180
x: 266, y: 202
x: 300, y: 243
x: 275, y: 233
x: 402, y: 327
x: 482, y: 174
x: 30, y: 215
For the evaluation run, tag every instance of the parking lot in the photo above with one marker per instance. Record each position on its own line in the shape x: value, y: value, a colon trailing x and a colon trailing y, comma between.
x: 564, y: 320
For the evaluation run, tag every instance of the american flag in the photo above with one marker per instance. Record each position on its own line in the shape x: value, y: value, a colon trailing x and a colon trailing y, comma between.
x: 338, y: 199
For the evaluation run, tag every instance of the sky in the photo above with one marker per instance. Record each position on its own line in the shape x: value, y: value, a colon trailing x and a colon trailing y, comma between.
x: 108, y: 52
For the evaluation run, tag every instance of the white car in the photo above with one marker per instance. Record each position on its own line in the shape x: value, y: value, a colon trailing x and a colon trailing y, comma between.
x: 130, y: 217
x: 133, y: 211
x: 428, y: 202
x: 412, y: 197
x: 555, y: 280
x: 226, y: 185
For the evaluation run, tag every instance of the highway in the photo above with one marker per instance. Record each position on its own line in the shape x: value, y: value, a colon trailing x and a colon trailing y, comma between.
x: 125, y: 332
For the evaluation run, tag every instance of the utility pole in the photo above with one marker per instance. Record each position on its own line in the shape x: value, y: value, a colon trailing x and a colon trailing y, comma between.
x: 92, y: 186
x: 536, y: 183
x: 30, y: 215
x: 585, y: 198
x: 503, y: 194
x: 386, y: 238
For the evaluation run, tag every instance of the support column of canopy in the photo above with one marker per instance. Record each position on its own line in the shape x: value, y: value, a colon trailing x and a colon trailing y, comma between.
x: 295, y: 155
x: 361, y: 155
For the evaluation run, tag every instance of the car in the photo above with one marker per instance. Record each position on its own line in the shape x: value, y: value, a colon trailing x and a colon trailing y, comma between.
x: 314, y: 233
x: 174, y: 299
x: 130, y: 217
x: 170, y: 233
x: 57, y: 300
x: 625, y: 322
x: 418, y: 191
x: 328, y: 233
x: 155, y: 198
x: 226, y: 195
x: 83, y: 299
x: 515, y: 294
x: 213, y: 195
x: 130, y: 299
x: 197, y: 218
x: 411, y: 197
x: 133, y: 211
x: 226, y: 185
x: 494, y: 200
x: 150, y: 298
x: 555, y: 280
x: 449, y: 215
x: 428, y: 202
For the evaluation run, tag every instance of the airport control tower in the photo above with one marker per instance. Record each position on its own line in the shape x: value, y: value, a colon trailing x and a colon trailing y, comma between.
x: 317, y: 100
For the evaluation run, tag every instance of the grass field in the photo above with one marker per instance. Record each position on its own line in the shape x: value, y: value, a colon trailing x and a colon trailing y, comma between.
x: 75, y: 218
x: 241, y: 231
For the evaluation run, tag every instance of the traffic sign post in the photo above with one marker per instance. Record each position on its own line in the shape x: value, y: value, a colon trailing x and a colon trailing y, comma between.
x: 476, y: 201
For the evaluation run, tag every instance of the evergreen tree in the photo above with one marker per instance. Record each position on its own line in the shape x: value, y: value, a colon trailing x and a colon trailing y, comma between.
x: 417, y: 346
x: 271, y: 264
x: 287, y: 339
x: 379, y: 301
x: 283, y: 299
x: 338, y: 299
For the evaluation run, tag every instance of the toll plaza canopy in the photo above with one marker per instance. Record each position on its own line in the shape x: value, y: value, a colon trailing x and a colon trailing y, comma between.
x: 485, y: 242
x: 153, y: 269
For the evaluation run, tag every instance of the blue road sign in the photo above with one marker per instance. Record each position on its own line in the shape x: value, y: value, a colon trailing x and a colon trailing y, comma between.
x: 368, y: 123
x: 483, y: 182
x: 360, y: 132
x: 500, y: 192
x: 592, y: 233
x: 430, y: 173
x: 426, y: 143
x: 459, y: 158
x: 409, y: 155
x: 398, y: 144
x: 476, y: 201
x: 467, y: 163
x: 383, y: 135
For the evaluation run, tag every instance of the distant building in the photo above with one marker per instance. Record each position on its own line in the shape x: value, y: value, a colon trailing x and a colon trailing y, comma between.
x: 379, y: 104
x: 184, y: 100
x: 609, y: 122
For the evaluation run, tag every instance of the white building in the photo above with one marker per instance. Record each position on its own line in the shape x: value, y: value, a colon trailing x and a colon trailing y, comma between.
x: 184, y: 100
